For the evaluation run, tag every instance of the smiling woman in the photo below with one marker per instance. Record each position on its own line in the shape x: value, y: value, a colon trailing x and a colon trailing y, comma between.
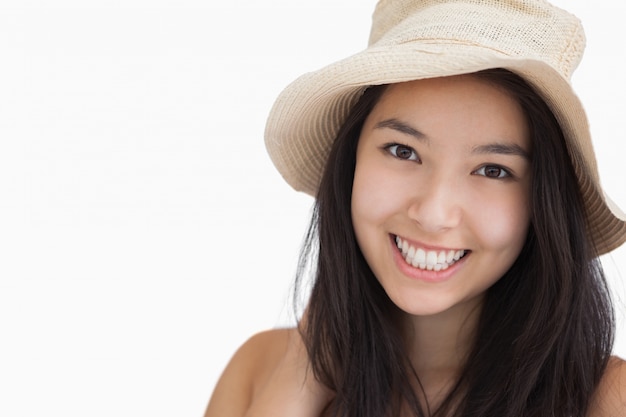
x: 433, y: 189
x: 458, y: 223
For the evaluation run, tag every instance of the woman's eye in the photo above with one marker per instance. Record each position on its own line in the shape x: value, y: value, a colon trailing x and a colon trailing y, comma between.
x: 402, y: 152
x: 493, y: 171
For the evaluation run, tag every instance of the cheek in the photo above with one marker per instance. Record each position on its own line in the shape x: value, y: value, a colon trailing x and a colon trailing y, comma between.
x: 374, y: 196
x: 369, y: 208
x: 503, y: 222
x: 369, y: 199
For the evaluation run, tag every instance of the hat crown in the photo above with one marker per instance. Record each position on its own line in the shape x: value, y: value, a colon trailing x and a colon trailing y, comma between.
x: 532, y: 29
x: 414, y: 40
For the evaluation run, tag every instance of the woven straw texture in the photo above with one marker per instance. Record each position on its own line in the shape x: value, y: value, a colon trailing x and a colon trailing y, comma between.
x: 413, y: 40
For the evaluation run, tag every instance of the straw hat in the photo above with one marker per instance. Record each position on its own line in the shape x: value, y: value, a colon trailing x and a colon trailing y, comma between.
x: 413, y: 40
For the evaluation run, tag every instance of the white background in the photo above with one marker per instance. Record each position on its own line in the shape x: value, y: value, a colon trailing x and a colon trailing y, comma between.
x: 144, y: 234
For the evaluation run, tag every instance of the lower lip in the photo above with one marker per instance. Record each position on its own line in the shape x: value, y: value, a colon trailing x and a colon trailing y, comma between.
x: 424, y: 274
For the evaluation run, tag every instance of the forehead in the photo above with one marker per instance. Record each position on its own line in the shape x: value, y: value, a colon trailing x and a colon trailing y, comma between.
x: 461, y: 89
x: 466, y: 101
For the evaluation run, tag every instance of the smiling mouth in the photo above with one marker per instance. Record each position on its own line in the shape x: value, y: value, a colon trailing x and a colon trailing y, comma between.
x: 429, y: 260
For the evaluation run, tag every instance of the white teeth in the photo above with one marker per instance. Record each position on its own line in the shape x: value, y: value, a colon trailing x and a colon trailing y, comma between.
x: 441, y: 258
x: 429, y: 260
x: 410, y: 253
x: 420, y: 256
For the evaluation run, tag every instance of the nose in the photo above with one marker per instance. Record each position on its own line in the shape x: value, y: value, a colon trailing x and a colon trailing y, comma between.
x: 436, y: 205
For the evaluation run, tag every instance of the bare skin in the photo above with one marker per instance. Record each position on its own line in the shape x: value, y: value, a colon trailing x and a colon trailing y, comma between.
x: 438, y: 346
x: 267, y: 378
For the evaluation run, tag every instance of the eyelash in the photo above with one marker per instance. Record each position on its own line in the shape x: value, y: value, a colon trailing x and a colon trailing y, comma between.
x: 392, y: 149
x: 506, y: 172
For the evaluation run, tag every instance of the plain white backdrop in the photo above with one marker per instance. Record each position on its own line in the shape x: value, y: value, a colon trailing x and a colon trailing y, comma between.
x: 144, y: 233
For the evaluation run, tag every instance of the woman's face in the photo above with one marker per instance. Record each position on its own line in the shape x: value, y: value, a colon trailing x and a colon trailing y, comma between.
x: 440, y: 202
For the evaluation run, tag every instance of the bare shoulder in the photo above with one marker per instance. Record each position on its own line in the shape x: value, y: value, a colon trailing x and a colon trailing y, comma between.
x: 610, y: 397
x: 250, y: 367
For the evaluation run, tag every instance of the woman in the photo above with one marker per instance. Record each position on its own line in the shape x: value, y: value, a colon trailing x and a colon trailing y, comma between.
x: 456, y: 232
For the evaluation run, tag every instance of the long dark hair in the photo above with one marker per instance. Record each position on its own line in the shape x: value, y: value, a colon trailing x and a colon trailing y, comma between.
x: 546, y: 328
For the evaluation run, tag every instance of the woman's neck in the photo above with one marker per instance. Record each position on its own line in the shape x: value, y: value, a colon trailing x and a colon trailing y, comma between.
x: 438, y: 345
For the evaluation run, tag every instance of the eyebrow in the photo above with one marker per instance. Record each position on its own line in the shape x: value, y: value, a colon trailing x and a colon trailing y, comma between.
x: 502, y: 149
x: 401, y: 127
